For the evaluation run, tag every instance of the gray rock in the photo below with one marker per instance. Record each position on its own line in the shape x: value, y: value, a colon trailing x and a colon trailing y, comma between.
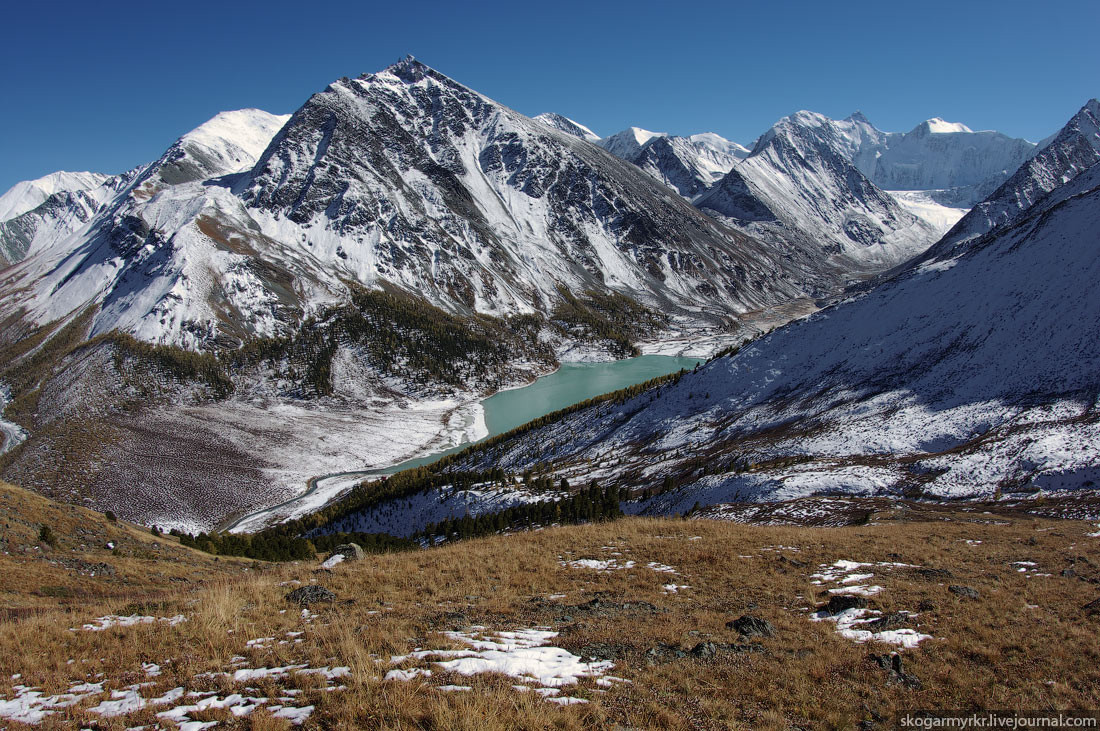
x: 350, y: 551
x: 663, y: 653
x: 896, y: 674
x: 307, y: 595
x: 964, y: 591
x: 840, y: 602
x: 929, y: 573
x: 704, y: 650
x: 888, y: 621
x: 752, y: 626
x: 603, y: 651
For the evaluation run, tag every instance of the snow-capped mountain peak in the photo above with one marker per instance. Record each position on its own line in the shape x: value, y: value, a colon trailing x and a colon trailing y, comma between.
x: 567, y: 125
x: 938, y: 126
x: 719, y: 144
x: 229, y: 142
x: 1072, y: 150
x: 629, y: 142
x: 245, y: 131
x: 27, y: 195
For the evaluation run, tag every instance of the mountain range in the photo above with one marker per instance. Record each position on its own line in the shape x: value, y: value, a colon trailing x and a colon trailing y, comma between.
x: 272, y: 280
x: 971, y: 372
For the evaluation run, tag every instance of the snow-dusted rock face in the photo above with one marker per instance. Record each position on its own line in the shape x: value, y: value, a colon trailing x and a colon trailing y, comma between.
x: 29, y: 194
x: 1073, y: 149
x: 969, y: 371
x: 797, y: 190
x: 154, y: 248
x: 567, y: 125
x: 409, y: 177
x: 688, y: 165
x: 402, y: 177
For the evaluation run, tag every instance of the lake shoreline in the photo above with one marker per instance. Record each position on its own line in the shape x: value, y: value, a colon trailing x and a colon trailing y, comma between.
x: 570, y: 383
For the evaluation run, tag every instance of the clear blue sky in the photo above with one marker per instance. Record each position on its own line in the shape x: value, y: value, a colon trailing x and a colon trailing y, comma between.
x: 107, y: 85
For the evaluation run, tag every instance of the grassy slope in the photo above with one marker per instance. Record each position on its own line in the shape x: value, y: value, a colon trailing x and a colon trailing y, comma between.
x: 37, y: 577
x: 1026, y: 643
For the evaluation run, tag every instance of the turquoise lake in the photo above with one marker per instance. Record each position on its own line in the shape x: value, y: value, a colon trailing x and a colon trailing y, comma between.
x: 570, y: 384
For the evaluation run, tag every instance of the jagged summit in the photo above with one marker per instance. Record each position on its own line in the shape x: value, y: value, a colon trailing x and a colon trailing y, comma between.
x: 409, y: 69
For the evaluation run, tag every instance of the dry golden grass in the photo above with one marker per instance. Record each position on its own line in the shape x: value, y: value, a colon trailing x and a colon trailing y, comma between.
x: 35, y: 576
x: 1026, y: 643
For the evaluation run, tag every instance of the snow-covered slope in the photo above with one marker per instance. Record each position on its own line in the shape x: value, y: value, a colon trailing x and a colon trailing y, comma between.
x: 923, y: 205
x: 969, y: 372
x: 798, y: 191
x: 567, y: 125
x: 1073, y: 149
x: 29, y: 194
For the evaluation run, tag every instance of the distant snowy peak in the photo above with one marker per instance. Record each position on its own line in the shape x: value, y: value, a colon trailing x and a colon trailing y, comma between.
x: 29, y: 194
x: 935, y: 155
x: 855, y: 138
x: 1074, y: 149
x: 688, y: 165
x: 230, y: 142
x: 939, y: 155
x: 69, y: 207
x: 567, y: 125
x: 938, y: 126
x: 799, y: 188
x: 717, y: 143
x: 628, y: 143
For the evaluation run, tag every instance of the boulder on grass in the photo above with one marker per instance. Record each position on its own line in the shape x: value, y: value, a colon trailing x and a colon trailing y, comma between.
x: 307, y: 595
